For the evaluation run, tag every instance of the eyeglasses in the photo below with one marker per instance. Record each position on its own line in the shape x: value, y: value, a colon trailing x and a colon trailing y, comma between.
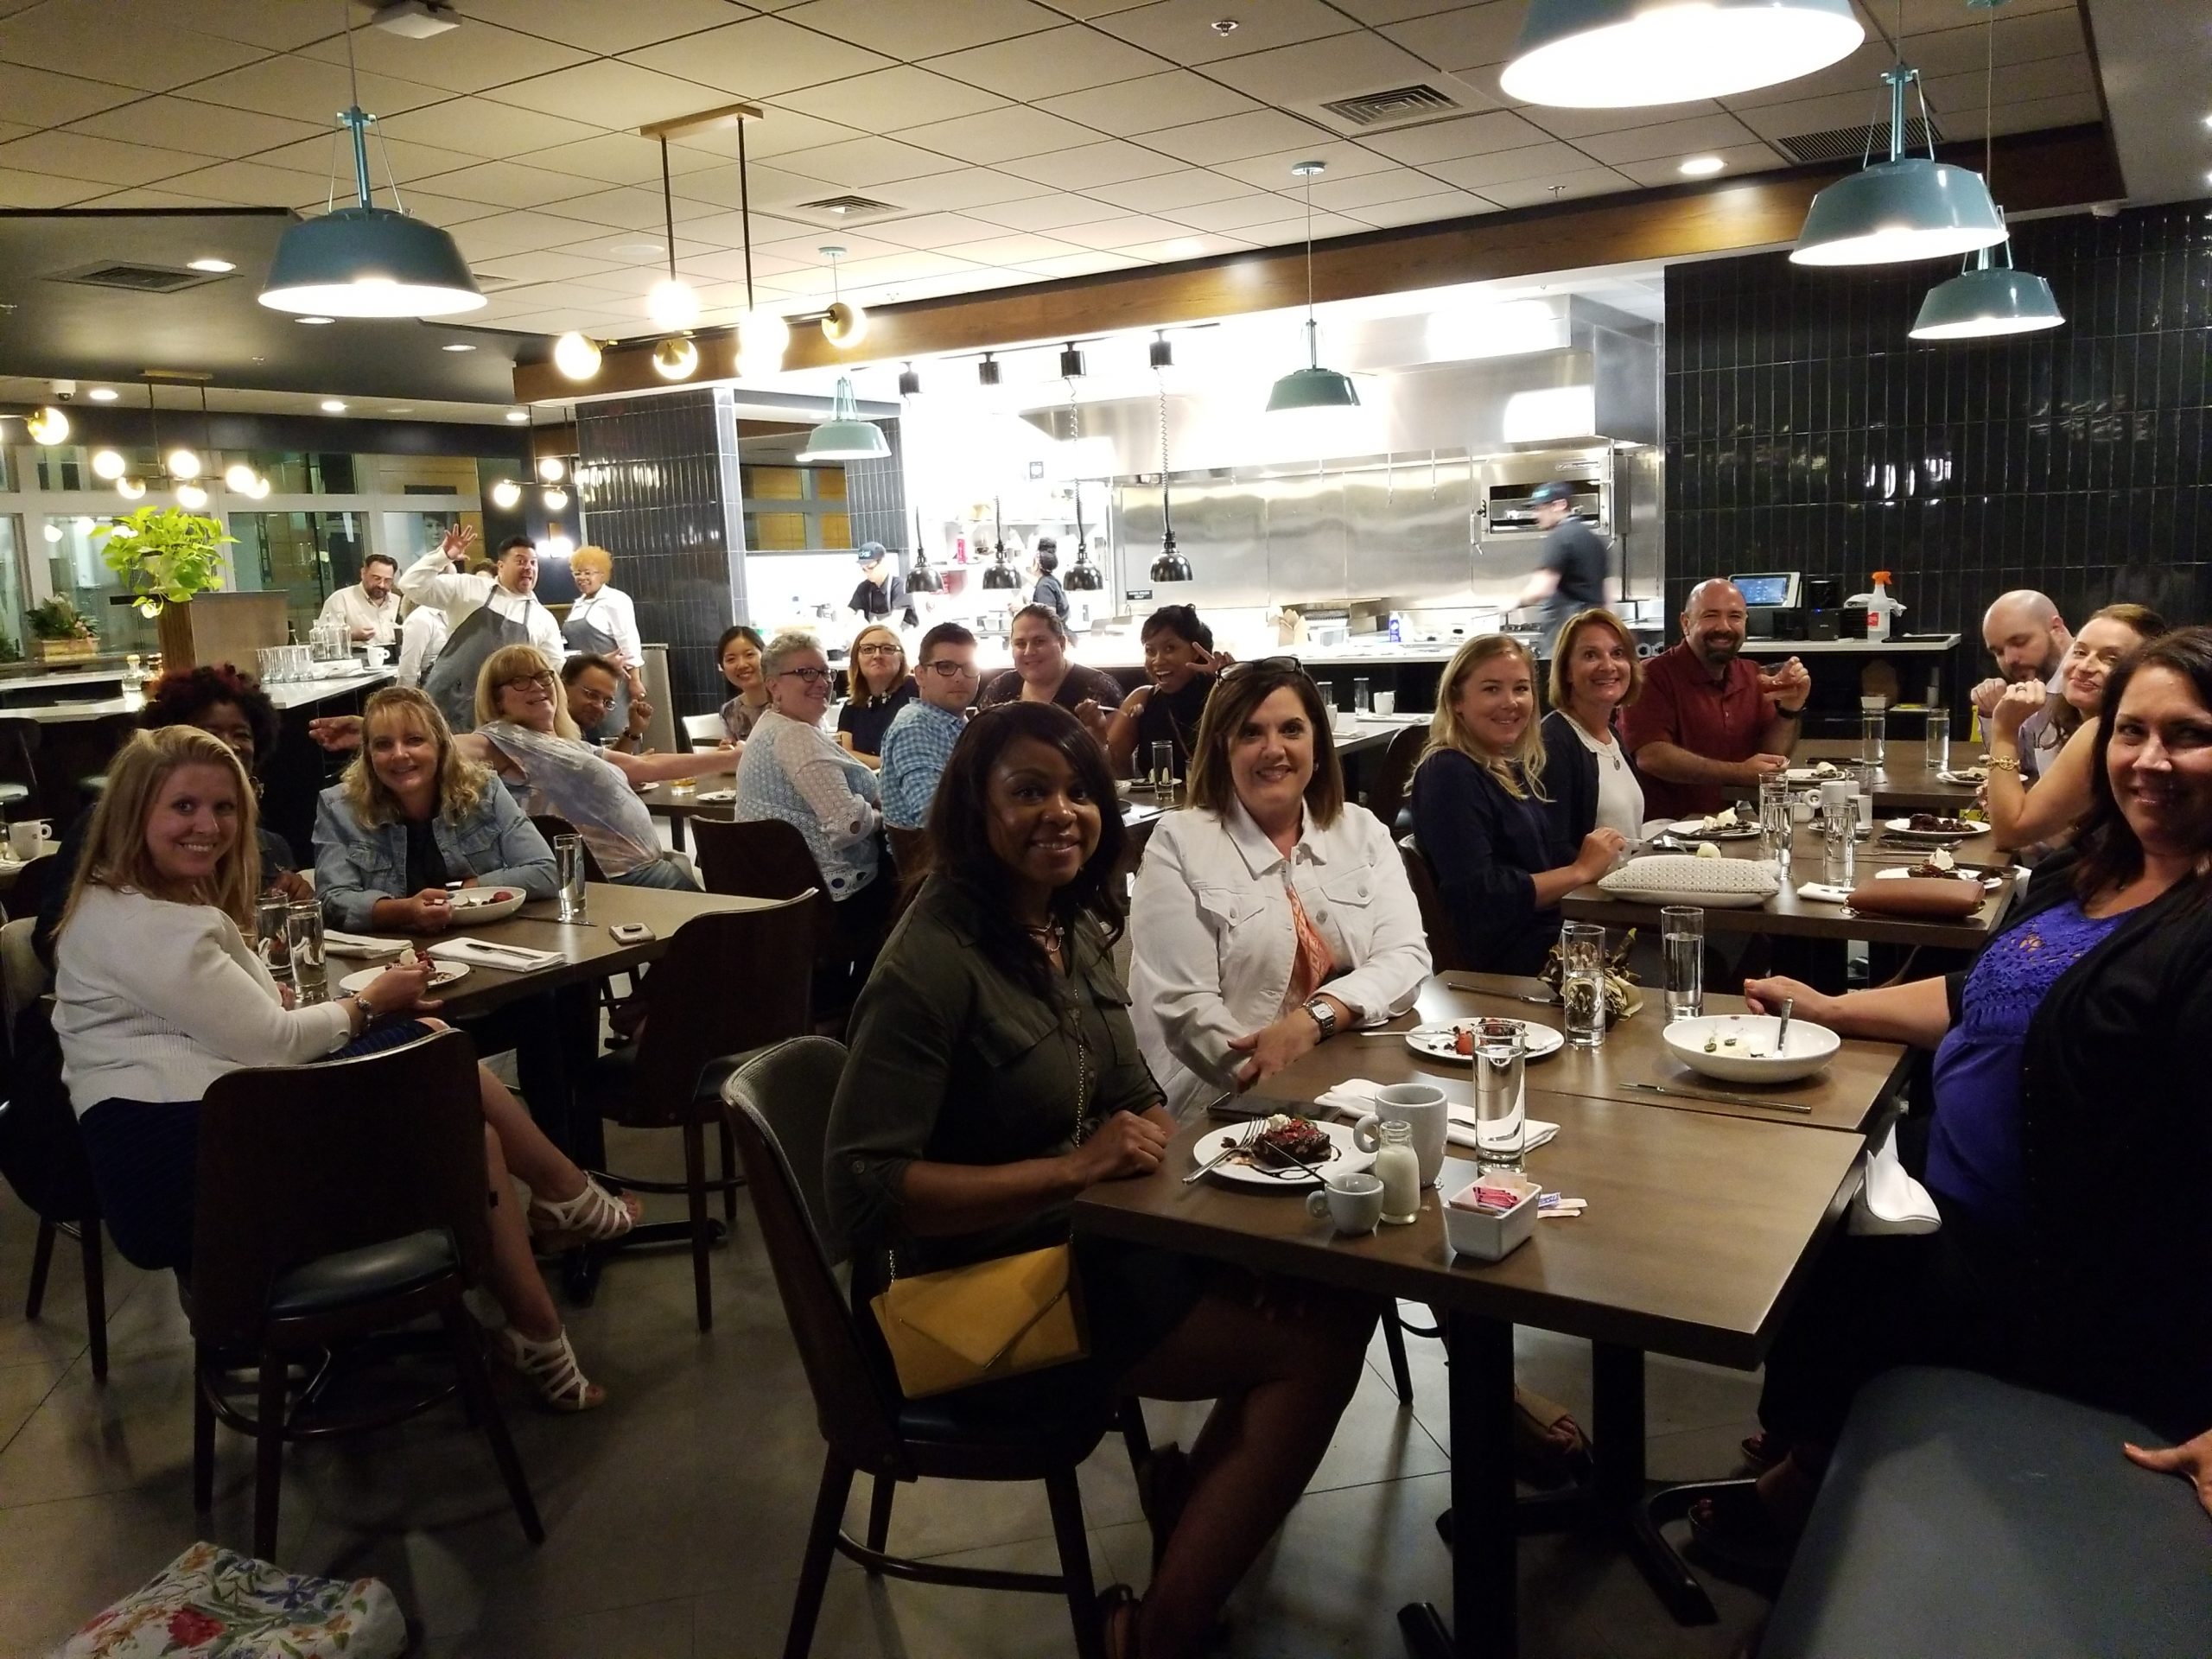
x: 811, y: 676
x: 522, y: 683
x: 880, y: 650
x: 591, y: 694
x: 951, y: 669
x: 1264, y: 664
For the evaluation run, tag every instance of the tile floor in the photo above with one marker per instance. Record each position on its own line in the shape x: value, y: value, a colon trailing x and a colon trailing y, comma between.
x: 675, y: 1515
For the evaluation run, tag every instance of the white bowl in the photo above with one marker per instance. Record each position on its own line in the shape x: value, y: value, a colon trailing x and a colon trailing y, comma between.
x: 1752, y: 1059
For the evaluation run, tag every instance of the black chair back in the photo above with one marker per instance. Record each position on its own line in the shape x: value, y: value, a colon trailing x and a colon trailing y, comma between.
x: 1386, y: 796
x: 1444, y: 952
x: 549, y: 824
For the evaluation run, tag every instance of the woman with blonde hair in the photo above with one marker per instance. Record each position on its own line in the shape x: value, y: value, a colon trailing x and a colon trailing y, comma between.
x: 881, y: 686
x: 158, y: 993
x: 1591, y: 777
x: 1482, y: 818
x: 603, y: 622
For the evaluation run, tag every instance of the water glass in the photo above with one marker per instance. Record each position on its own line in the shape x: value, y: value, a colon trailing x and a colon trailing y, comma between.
x: 1363, y: 699
x: 1862, y: 784
x: 1773, y: 815
x: 272, y: 935
x: 304, y: 936
x: 1582, y: 983
x: 568, y: 857
x: 1873, y: 736
x: 1501, y: 1095
x: 1681, y: 935
x: 1939, y: 739
x: 1328, y: 690
x: 1163, y: 768
x: 1839, y: 821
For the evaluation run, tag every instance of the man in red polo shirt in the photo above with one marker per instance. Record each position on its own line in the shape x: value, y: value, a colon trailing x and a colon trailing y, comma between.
x: 1710, y: 724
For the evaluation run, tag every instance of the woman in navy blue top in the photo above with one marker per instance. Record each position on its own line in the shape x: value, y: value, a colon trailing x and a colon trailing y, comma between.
x: 1483, y: 820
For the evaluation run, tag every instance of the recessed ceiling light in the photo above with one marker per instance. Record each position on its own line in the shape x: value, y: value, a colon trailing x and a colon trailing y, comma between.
x: 217, y: 266
x: 517, y: 415
x: 456, y: 345
x: 1700, y: 167
x: 103, y: 394
x: 332, y: 406
x: 1225, y: 26
x: 314, y: 322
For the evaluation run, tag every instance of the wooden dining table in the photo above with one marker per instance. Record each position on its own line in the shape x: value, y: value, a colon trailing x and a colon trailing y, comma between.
x: 1905, y: 782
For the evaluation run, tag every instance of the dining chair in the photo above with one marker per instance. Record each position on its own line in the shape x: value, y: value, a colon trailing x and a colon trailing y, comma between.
x: 317, y: 1228
x: 36, y: 882
x: 731, y: 983
x: 41, y: 1154
x: 766, y: 858
x: 109, y: 734
x: 910, y: 850
x: 1386, y: 796
x: 779, y: 1105
x: 19, y: 741
x: 703, y: 731
x: 549, y: 824
x: 1444, y: 952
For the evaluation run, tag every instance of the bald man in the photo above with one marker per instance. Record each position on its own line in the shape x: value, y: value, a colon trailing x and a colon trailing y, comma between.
x: 2029, y: 639
x: 1709, y: 724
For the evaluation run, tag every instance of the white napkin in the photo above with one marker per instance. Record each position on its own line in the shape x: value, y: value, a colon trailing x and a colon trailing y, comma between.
x: 1821, y: 893
x: 715, y: 795
x: 1460, y: 1130
x: 1355, y: 1097
x: 514, y: 958
x: 360, y: 944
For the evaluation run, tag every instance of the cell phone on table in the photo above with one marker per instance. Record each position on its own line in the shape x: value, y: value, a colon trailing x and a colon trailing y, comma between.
x: 1235, y: 1108
x: 630, y: 932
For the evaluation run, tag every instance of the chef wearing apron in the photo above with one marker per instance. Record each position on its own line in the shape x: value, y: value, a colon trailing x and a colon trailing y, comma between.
x: 485, y: 612
x: 604, y: 623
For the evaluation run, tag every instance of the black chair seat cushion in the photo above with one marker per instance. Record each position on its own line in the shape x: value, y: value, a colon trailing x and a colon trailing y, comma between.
x: 333, y: 1283
x: 1964, y: 1517
x: 1060, y: 1411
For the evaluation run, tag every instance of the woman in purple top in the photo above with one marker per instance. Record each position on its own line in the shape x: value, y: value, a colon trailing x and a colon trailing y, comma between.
x: 2070, y: 1070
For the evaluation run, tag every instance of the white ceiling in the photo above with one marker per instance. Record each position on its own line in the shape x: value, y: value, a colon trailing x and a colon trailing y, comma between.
x: 1021, y: 139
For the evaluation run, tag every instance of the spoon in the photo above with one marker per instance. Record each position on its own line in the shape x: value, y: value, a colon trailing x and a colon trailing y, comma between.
x: 1782, y: 1036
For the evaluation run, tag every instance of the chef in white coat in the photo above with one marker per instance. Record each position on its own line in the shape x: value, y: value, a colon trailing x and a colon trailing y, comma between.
x: 483, y: 612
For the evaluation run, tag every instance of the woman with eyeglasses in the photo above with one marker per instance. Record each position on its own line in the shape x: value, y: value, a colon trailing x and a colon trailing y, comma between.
x: 524, y: 734
x: 1179, y: 660
x: 1042, y: 672
x: 880, y: 687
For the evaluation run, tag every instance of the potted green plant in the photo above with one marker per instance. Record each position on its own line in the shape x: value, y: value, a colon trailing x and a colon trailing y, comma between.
x: 60, y: 632
x: 166, y: 557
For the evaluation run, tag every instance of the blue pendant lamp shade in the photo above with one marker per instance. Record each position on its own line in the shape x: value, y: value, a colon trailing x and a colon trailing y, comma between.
x: 1628, y: 53
x: 368, y: 261
x: 1987, y: 301
x: 1906, y: 208
x: 1312, y: 386
x: 844, y: 436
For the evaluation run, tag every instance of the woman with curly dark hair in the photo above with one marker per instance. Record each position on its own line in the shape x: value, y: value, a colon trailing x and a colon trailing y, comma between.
x: 994, y: 1075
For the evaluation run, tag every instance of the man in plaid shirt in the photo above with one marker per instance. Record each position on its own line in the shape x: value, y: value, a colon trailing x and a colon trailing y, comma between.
x: 922, y: 738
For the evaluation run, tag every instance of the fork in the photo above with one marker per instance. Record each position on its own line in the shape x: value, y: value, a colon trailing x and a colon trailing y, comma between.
x: 1243, y: 1144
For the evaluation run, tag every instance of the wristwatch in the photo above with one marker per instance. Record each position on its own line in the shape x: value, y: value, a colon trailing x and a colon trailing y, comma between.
x: 1323, y: 1015
x: 1798, y: 713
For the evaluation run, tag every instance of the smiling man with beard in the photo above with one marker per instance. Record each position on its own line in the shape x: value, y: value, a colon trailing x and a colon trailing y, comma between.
x: 1710, y: 724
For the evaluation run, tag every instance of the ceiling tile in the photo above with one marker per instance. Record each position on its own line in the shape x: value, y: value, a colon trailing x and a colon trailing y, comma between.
x: 781, y: 131
x: 1289, y: 233
x: 1313, y: 70
x: 39, y: 98
x: 328, y: 154
x: 1111, y: 162
x: 1001, y: 251
x: 272, y: 25
x: 1445, y: 141
x: 1860, y: 73
x: 618, y: 95
x: 1772, y: 121
x: 1465, y: 37
x: 1350, y: 195
x: 1736, y: 159
x: 908, y: 263
x: 1666, y: 139
x: 759, y: 187
x: 1166, y: 192
x: 158, y: 49
x: 1374, y: 12
x: 307, y: 89
x: 863, y: 162
x: 465, y: 59
x: 1423, y: 210
x: 895, y: 98
x: 542, y: 266
x: 2019, y: 40
x: 1503, y: 167
x: 1189, y: 245
x: 43, y: 190
x: 997, y: 135
x: 522, y: 233
x: 1575, y: 125
x: 1067, y: 60
x: 1130, y: 108
x: 105, y: 160
x: 147, y: 198
x: 196, y: 129
x: 1081, y: 265
x: 2045, y: 77
x: 622, y: 158
x: 912, y: 31
x: 970, y: 187
x: 624, y: 208
x: 1182, y: 30
x: 758, y: 57
x: 1232, y: 213
x: 1341, y: 160
x: 509, y: 184
x: 1233, y: 137
x: 1044, y: 212
x: 497, y: 132
x: 938, y: 230
x: 251, y: 184
x: 2032, y: 114
x: 1556, y: 186
x: 1124, y: 231
x: 596, y: 26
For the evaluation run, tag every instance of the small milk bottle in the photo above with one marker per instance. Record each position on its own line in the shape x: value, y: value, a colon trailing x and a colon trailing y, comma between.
x: 1397, y: 1166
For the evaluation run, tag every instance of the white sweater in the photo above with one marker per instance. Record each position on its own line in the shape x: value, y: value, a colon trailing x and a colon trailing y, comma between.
x: 154, y: 1001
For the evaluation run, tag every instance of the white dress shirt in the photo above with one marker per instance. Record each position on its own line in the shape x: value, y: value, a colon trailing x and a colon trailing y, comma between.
x: 422, y: 637
x: 353, y: 607
x: 611, y: 611
x: 1215, y: 943
x: 431, y: 580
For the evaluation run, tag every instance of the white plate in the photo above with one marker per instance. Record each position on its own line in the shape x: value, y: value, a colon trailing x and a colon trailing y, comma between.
x: 715, y: 796
x: 442, y: 973
x: 1967, y: 778
x: 1344, y: 1155
x: 1902, y: 828
x: 1438, y: 1040
x: 474, y: 906
x: 1753, y: 1060
x: 1812, y: 775
x: 1989, y: 884
x: 1689, y: 830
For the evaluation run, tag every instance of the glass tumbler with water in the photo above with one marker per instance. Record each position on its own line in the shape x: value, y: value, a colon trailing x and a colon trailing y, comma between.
x: 1163, y: 769
x: 1582, y: 983
x: 1501, y: 1100
x: 1362, y: 697
x: 569, y: 856
x: 1939, y: 739
x: 304, y: 936
x: 1775, y: 826
x: 272, y: 937
x: 1682, y: 936
x: 1839, y: 824
x: 1873, y: 735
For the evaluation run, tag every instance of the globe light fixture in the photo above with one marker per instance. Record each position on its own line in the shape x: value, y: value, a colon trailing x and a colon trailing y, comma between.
x: 238, y: 476
x: 676, y: 357
x: 191, y: 497
x: 505, y: 494
x: 672, y: 304
x: 843, y: 324
x: 552, y: 468
x: 259, y: 488
x: 556, y: 499
x: 48, y: 426
x: 577, y: 355
x: 182, y: 464
x: 107, y: 464
x: 1626, y: 53
x: 763, y: 337
x: 130, y: 488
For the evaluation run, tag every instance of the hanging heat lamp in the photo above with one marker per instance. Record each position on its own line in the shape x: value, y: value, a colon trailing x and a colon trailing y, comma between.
x: 909, y: 383
x: 367, y: 261
x: 1083, y: 576
x: 1171, y: 565
x: 920, y: 579
x: 1627, y: 54
x: 999, y: 574
x: 1161, y: 353
x: 1312, y: 386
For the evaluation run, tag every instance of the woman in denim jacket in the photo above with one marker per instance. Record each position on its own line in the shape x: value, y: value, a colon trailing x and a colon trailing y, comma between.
x: 410, y: 815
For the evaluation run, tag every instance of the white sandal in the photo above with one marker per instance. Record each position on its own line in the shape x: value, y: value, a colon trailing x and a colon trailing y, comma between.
x: 551, y: 1368
x: 591, y: 1216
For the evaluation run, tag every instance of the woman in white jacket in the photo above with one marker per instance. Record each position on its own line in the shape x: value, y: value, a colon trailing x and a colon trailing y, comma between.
x: 1270, y: 917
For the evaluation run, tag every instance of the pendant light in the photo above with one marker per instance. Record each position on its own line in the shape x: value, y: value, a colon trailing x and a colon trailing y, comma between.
x: 920, y: 579
x: 506, y: 493
x: 844, y: 436
x: 367, y: 261
x: 576, y: 355
x: 843, y: 324
x: 108, y: 465
x: 49, y: 426
x: 763, y: 337
x: 1907, y: 208
x: 1628, y: 53
x: 676, y: 357
x: 1160, y: 354
x: 1312, y: 386
x: 1000, y: 575
x: 1083, y: 576
x: 673, y: 304
x: 1985, y: 301
x: 1171, y: 566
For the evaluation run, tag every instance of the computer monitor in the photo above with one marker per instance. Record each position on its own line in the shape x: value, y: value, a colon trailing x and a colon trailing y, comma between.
x: 1769, y: 589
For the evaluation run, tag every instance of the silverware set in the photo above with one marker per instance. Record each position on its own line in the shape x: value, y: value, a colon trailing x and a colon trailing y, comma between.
x: 1241, y: 1143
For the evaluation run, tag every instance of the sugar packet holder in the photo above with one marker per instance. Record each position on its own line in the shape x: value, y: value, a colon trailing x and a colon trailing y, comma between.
x: 1476, y: 1227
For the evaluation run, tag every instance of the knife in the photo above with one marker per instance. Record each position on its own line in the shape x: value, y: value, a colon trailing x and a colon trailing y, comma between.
x: 1467, y: 982
x: 1726, y: 1099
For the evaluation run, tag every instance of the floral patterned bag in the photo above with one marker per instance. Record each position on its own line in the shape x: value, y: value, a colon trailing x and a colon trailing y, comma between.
x: 211, y: 1602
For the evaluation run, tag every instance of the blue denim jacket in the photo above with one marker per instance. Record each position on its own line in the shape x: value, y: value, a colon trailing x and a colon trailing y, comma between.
x: 354, y: 866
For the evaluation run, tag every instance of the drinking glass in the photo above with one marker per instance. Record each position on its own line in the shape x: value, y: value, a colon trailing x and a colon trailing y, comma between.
x: 303, y: 937
x: 1501, y: 1099
x: 272, y: 937
x: 1838, y: 820
x: 1163, y: 768
x: 1873, y: 736
x: 1582, y: 983
x: 1681, y: 935
x: 568, y: 857
x: 1362, y: 698
x: 1773, y: 815
x: 1328, y: 690
x: 1939, y: 739
x: 1862, y: 786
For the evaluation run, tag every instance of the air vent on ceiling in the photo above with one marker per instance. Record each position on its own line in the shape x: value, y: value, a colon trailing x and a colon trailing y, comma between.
x: 848, y: 207
x: 491, y: 282
x: 1385, y: 109
x: 1849, y: 144
x: 137, y: 279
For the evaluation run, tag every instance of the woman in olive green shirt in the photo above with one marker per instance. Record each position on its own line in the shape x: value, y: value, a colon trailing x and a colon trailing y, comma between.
x: 994, y: 1075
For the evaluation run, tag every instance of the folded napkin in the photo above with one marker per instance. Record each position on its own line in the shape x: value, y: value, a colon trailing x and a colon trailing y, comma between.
x: 360, y: 944
x: 1821, y: 894
x: 1355, y: 1097
x: 1460, y: 1130
x: 481, y: 953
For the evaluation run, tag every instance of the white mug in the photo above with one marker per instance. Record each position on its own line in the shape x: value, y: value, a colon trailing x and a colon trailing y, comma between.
x: 1353, y: 1200
x: 25, y: 836
x: 1386, y: 702
x: 373, y: 654
x: 1421, y: 1107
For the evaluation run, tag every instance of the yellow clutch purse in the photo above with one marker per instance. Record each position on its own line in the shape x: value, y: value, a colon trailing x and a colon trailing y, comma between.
x: 979, y: 1323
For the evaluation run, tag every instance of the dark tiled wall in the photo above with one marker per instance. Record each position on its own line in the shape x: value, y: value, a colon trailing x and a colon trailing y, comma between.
x: 875, y: 496
x: 661, y: 499
x: 1807, y: 432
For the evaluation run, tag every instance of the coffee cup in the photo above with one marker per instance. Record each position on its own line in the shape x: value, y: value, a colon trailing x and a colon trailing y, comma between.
x: 1386, y: 702
x: 372, y: 655
x: 1352, y: 1201
x: 25, y: 836
x: 1421, y: 1107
